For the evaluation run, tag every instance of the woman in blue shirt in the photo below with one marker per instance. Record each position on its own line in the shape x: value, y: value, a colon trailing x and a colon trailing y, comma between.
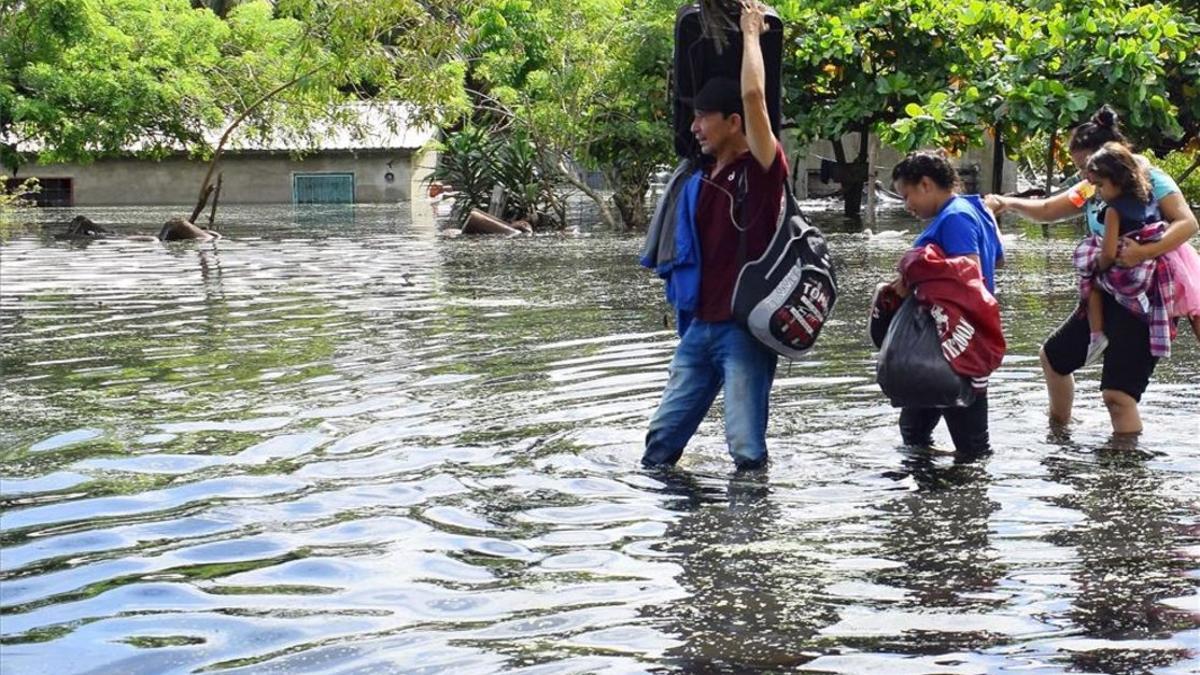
x: 962, y: 226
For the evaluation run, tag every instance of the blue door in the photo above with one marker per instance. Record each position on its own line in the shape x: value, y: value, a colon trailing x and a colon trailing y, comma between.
x: 323, y: 188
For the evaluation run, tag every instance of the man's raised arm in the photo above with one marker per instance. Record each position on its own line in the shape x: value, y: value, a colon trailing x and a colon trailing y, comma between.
x: 754, y: 86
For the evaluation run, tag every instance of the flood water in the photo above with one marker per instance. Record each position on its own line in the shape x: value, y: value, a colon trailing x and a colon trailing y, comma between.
x: 335, y: 442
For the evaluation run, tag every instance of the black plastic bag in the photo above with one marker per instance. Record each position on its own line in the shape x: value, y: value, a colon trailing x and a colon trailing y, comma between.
x: 912, y: 371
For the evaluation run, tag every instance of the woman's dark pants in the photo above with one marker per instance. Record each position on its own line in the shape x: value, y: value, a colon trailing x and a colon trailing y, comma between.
x: 968, y: 426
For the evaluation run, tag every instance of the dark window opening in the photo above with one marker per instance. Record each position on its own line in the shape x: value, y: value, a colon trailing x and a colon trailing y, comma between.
x: 53, y: 192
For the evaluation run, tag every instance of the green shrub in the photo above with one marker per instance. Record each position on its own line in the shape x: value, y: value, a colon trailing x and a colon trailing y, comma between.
x: 474, y: 160
x: 465, y: 166
x: 18, y: 194
x: 15, y: 198
x: 1176, y: 165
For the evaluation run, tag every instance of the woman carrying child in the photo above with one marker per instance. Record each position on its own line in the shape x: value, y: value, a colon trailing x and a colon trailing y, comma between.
x: 1128, y: 361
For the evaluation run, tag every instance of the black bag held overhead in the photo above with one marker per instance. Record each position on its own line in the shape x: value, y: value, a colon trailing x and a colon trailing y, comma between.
x: 698, y: 60
x: 912, y: 371
x: 785, y: 297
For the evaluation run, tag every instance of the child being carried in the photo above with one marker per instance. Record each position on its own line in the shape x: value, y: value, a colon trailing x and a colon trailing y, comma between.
x: 1155, y: 290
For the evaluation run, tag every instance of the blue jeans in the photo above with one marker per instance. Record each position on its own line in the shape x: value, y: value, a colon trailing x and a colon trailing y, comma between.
x: 711, y: 355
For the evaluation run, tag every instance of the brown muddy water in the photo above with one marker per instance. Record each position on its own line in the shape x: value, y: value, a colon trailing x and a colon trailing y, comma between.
x: 335, y: 442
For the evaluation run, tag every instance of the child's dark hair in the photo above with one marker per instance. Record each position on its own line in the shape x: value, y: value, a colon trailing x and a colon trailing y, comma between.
x: 1103, y: 127
x: 1116, y: 163
x: 921, y: 163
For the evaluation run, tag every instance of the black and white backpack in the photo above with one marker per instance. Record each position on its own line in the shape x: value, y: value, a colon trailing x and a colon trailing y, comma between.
x: 785, y: 297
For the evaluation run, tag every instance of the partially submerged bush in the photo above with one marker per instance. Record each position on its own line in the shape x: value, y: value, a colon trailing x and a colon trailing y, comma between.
x: 14, y: 198
x: 1176, y: 165
x: 475, y: 160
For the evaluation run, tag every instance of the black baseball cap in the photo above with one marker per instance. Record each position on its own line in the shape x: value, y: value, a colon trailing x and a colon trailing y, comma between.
x: 719, y: 94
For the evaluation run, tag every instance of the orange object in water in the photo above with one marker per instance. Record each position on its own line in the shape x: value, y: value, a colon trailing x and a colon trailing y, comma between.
x: 479, y: 222
x: 1080, y: 193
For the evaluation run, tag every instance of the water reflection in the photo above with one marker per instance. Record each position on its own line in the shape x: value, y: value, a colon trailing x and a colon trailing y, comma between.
x: 1129, y: 561
x: 940, y: 533
x: 335, y: 442
x: 746, y: 583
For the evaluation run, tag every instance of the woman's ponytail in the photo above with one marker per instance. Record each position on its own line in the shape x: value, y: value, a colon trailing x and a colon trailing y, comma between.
x: 1103, y: 127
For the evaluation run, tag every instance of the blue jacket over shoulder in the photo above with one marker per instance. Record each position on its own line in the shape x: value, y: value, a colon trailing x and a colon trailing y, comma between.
x: 680, y: 267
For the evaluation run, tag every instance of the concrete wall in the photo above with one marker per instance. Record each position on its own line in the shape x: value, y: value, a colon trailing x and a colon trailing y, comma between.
x: 423, y: 215
x: 249, y: 178
x: 979, y: 158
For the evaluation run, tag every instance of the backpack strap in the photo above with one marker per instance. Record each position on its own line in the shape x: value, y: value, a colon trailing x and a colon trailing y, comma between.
x: 739, y: 208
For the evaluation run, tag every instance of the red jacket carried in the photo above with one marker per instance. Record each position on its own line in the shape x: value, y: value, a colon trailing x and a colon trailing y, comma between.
x: 966, y: 314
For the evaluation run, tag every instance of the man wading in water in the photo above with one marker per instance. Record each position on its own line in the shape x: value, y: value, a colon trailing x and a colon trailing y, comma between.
x: 740, y: 186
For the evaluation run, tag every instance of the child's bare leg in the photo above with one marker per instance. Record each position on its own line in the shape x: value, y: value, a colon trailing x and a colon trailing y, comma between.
x: 1195, y: 319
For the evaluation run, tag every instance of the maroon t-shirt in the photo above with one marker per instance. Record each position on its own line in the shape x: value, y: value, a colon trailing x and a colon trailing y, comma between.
x: 718, y: 236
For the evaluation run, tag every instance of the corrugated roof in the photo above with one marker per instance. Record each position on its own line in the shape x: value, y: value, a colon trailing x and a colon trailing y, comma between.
x: 377, y: 126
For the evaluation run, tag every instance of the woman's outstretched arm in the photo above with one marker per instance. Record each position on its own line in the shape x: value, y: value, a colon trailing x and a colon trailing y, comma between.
x: 1057, y: 207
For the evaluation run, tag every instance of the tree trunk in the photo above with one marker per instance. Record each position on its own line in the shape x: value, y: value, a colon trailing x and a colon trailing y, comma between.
x: 853, y: 192
x: 206, y: 187
x: 568, y: 173
x: 1050, y: 162
x: 1184, y: 176
x: 852, y: 175
x: 872, y: 156
x: 216, y: 198
x: 556, y: 203
x: 799, y: 176
x: 630, y: 199
x: 857, y: 176
x: 997, y: 162
x: 839, y: 151
x: 1049, y: 175
x: 205, y: 192
x: 632, y: 210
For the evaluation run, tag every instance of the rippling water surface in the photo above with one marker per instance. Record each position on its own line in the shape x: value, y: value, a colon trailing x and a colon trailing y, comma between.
x: 334, y: 442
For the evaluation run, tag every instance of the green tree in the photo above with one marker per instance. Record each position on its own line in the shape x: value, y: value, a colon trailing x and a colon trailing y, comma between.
x: 290, y: 68
x: 1066, y: 59
x: 924, y: 73
x: 84, y: 79
x: 586, y: 81
x: 913, y: 71
x: 634, y: 136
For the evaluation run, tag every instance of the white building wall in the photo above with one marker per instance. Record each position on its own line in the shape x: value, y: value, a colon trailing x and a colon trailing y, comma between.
x: 249, y: 178
x: 980, y: 158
